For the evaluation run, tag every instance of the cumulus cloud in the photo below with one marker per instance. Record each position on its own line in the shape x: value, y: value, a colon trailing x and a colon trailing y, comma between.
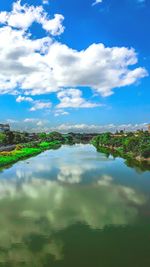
x: 44, y: 65
x: 99, y: 67
x: 30, y: 120
x: 40, y: 105
x: 60, y: 112
x: 32, y: 125
x: 36, y: 104
x: 20, y: 99
x: 72, y: 98
x: 85, y: 128
x: 41, y: 66
x: 11, y: 121
x: 23, y: 16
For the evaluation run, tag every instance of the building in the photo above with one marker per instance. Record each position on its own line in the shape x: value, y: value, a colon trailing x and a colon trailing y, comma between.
x: 4, y: 128
x: 149, y: 128
x: 32, y: 136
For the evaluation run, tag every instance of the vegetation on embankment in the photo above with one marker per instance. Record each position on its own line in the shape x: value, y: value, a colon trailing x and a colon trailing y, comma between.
x: 10, y: 138
x: 28, y: 145
x: 135, y: 147
x: 26, y: 151
x: 130, y: 146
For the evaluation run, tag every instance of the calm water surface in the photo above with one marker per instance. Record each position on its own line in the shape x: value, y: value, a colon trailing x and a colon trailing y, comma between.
x: 74, y: 207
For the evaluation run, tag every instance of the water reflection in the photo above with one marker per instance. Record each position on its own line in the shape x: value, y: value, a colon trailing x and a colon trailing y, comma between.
x: 49, y: 212
x: 42, y: 208
x: 69, y: 164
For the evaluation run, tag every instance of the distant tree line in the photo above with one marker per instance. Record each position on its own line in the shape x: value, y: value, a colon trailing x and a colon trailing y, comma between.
x: 13, y: 137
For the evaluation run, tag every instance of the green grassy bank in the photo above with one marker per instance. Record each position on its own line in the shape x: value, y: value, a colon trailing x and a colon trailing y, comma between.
x: 26, y: 151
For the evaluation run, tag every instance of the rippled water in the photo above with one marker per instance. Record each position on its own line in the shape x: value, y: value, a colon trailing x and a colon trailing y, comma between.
x: 74, y: 207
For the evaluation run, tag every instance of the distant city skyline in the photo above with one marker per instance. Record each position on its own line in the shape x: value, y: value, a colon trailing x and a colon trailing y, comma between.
x: 75, y: 65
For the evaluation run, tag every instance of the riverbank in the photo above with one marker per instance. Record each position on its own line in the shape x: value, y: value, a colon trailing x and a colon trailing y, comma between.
x: 26, y: 151
x: 7, y: 148
x: 10, y: 154
x: 117, y: 152
x: 140, y: 163
x: 135, y: 150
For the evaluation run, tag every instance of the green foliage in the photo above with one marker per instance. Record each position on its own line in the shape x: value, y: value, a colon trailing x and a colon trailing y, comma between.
x: 23, y: 152
x: 126, y: 145
x: 53, y: 136
x: 7, y: 158
x: 19, y: 138
x: 42, y: 136
x: 145, y: 152
x: 131, y: 143
x: 2, y: 138
x: 49, y: 145
x: 9, y: 138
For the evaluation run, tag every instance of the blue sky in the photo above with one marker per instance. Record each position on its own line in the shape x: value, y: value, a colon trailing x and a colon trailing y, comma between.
x: 75, y: 63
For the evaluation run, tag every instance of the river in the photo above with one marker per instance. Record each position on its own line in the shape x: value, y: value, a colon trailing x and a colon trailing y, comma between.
x: 74, y: 207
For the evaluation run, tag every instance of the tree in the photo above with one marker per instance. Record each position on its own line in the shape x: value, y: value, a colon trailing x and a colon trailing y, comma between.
x: 55, y: 136
x: 2, y: 138
x: 9, y: 138
x: 42, y: 136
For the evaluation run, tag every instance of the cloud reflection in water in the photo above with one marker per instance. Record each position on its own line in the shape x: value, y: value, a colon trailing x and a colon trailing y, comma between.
x: 34, y: 210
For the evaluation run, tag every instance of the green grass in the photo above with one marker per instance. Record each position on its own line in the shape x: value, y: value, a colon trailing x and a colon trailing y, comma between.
x: 7, y: 158
x: 50, y: 145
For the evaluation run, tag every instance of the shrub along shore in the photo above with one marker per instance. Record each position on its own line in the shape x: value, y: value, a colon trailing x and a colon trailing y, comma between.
x: 133, y: 147
x: 26, y: 151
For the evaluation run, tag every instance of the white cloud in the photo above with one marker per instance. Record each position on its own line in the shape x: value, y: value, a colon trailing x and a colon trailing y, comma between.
x: 101, y: 1
x: 72, y: 98
x: 34, y: 125
x: 36, y: 104
x: 60, y: 112
x: 11, y: 121
x: 36, y: 121
x: 41, y: 66
x: 45, y: 2
x: 23, y: 16
x: 111, y: 67
x: 30, y: 120
x: 20, y: 99
x: 40, y: 105
x: 54, y: 26
x: 97, y: 2
x: 85, y: 128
